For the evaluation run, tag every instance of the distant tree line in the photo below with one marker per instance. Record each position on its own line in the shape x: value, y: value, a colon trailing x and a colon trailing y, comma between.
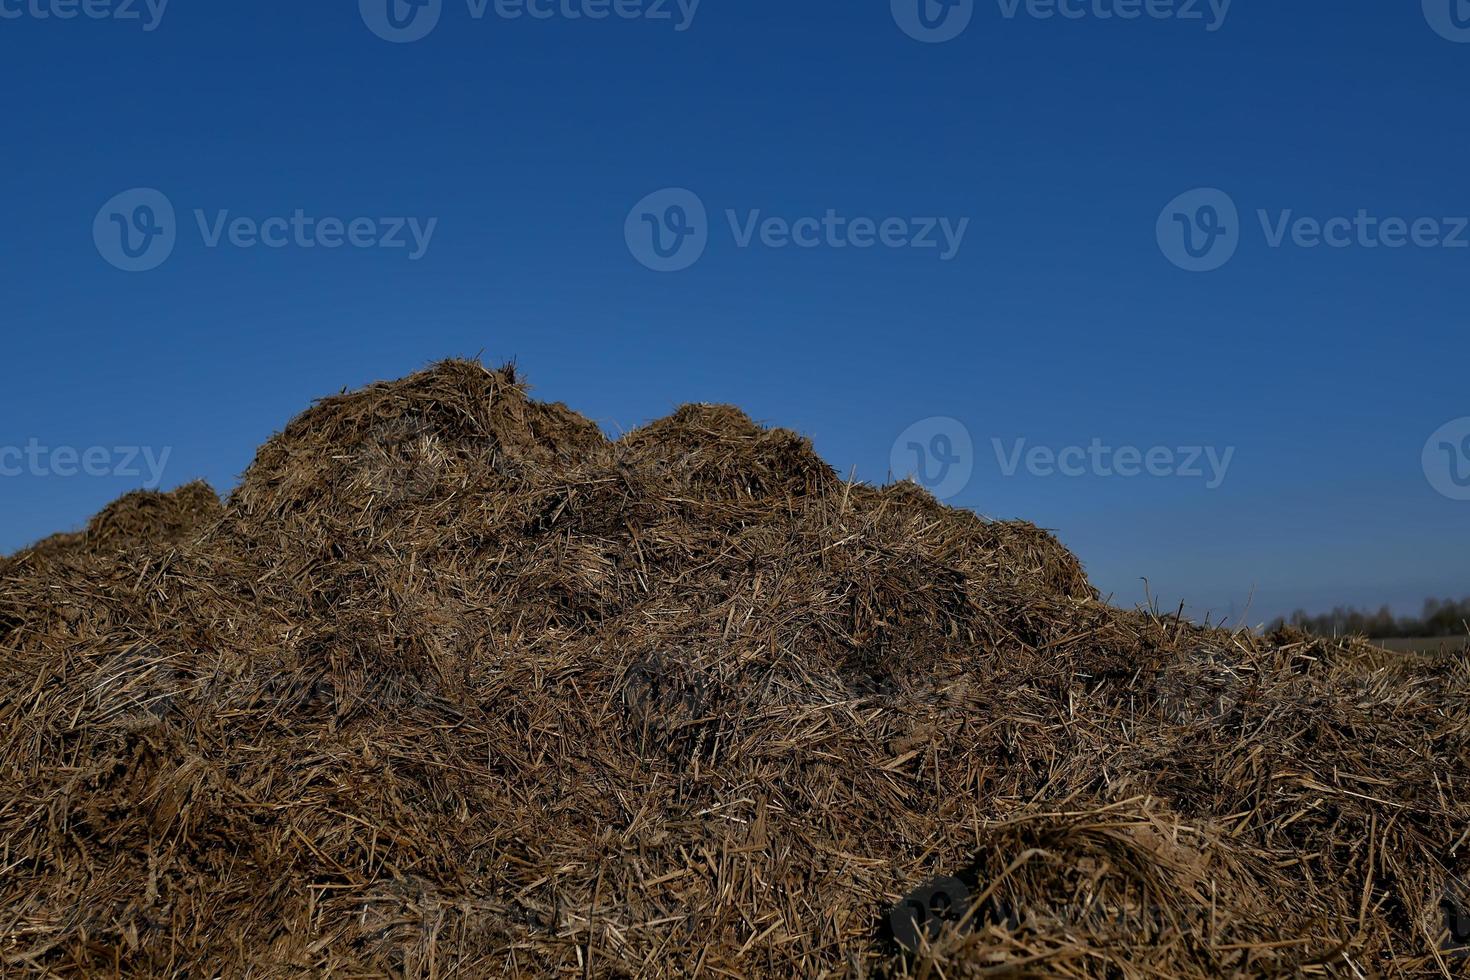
x: 1441, y: 617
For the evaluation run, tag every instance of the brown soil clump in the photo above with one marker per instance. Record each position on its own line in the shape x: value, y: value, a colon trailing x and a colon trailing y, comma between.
x: 452, y: 685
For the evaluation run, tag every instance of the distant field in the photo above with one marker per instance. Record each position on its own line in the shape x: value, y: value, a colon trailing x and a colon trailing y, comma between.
x: 1427, y: 644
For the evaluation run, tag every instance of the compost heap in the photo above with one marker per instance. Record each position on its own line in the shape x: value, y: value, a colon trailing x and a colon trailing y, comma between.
x: 453, y: 685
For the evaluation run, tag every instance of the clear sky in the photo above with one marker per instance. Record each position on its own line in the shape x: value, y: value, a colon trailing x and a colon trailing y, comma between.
x: 1025, y: 270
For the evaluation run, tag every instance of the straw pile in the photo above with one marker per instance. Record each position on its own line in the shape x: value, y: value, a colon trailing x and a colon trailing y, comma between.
x: 452, y: 685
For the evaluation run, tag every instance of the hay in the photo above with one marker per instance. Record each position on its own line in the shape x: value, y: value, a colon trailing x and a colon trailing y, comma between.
x: 144, y: 517
x: 453, y: 685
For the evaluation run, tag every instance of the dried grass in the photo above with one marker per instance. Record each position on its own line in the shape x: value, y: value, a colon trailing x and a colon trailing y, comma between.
x: 455, y: 686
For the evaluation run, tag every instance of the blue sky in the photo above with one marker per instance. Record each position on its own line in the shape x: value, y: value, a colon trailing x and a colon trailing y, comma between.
x: 530, y: 153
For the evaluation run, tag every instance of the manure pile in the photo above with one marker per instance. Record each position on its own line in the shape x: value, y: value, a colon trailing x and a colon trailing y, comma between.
x: 452, y: 685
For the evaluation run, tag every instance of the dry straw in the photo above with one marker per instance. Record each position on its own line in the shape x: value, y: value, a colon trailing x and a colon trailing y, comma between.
x: 454, y: 686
